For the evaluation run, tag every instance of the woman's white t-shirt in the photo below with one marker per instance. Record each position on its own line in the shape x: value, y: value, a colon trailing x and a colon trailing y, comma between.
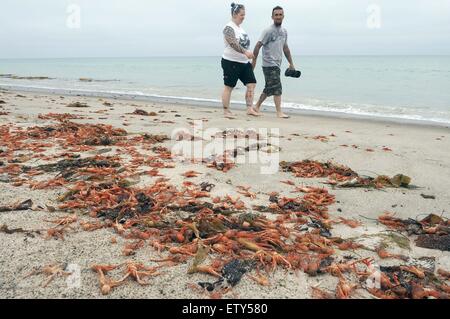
x: 243, y: 39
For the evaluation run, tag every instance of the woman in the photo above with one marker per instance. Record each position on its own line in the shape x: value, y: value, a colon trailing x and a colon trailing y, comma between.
x: 236, y: 61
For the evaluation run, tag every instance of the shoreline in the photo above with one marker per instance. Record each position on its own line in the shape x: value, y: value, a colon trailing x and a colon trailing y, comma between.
x: 215, y: 104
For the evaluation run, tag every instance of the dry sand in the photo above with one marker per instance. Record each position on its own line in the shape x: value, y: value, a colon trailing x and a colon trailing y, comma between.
x: 421, y: 152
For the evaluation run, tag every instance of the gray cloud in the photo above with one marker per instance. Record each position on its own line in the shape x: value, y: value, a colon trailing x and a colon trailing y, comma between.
x: 192, y: 27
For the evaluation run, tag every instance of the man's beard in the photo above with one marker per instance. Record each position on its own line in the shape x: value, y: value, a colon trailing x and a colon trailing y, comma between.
x: 278, y: 24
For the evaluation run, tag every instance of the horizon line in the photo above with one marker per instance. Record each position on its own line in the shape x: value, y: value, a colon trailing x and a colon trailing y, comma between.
x: 209, y: 56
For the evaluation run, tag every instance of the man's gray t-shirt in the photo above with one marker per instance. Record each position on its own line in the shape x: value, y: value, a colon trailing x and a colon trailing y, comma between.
x: 273, y: 40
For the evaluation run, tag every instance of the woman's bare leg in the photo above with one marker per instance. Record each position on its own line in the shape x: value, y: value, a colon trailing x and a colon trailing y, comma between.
x: 226, y: 97
x: 249, y: 97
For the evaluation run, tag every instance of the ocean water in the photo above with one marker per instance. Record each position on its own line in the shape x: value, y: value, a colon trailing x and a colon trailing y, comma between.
x: 398, y: 87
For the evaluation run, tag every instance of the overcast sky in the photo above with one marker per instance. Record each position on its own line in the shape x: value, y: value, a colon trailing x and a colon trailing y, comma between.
x: 129, y: 28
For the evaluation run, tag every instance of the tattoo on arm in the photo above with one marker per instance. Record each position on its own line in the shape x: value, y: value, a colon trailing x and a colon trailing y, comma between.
x: 230, y: 37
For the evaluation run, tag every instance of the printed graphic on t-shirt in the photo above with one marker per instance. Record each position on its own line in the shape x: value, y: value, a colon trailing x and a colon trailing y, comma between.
x: 244, y: 41
x: 276, y: 36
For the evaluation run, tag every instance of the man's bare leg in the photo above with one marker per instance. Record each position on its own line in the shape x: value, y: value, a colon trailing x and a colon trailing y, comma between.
x: 226, y: 97
x: 277, y: 100
x: 249, y: 96
x: 261, y: 100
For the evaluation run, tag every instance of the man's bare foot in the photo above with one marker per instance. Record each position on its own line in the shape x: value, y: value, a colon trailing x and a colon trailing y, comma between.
x: 251, y: 111
x: 228, y: 114
x: 283, y: 116
x: 257, y: 110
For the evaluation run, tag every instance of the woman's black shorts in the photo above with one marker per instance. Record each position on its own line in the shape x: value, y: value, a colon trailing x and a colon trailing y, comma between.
x: 234, y: 71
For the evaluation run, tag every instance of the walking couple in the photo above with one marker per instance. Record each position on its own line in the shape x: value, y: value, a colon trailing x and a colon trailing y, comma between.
x: 238, y: 62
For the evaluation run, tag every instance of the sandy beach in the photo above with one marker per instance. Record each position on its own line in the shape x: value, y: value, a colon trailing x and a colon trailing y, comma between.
x: 369, y: 148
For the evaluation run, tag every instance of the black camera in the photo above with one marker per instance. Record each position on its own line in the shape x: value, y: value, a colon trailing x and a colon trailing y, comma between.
x: 293, y: 73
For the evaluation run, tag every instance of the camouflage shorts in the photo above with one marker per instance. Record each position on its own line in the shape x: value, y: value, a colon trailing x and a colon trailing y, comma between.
x: 273, y: 81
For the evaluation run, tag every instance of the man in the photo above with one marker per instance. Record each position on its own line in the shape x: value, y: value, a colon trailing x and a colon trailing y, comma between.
x: 274, y: 44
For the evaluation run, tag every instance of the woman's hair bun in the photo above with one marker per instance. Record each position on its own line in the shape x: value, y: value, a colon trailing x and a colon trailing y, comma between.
x: 233, y: 5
